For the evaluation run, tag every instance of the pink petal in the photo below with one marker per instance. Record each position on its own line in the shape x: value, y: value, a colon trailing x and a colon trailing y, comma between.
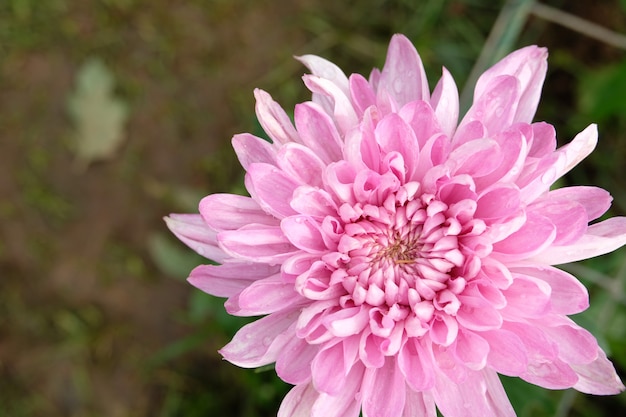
x: 301, y: 164
x: 542, y: 141
x: 361, y: 93
x: 294, y: 361
x: 527, y: 297
x: 325, y: 69
x: 568, y: 296
x: 331, y: 366
x: 304, y: 233
x: 230, y: 278
x: 251, y: 149
x: 230, y: 212
x: 576, y: 345
x: 419, y: 404
x: 257, y: 243
x: 299, y: 401
x: 318, y: 132
x: 260, y: 342
x: 314, y: 202
x: 594, y: 200
x: 496, y: 106
x: 577, y: 150
x: 416, y: 366
x: 265, y: 296
x: 420, y: 116
x: 273, y: 119
x: 471, y: 349
x: 568, y: 217
x: 598, y: 377
x: 535, y: 235
x: 601, y: 238
x: 383, y: 390
x: 480, y: 395
x: 272, y: 189
x: 513, y: 149
x: 445, y: 101
x: 195, y: 233
x: 334, y: 101
x: 476, y: 158
x: 345, y: 404
x: 403, y: 75
x: 393, y: 134
x: 507, y: 354
x: 497, y: 203
x: 529, y: 66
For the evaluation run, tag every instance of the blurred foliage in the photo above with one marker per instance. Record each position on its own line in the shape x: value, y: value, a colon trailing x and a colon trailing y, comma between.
x: 139, y: 38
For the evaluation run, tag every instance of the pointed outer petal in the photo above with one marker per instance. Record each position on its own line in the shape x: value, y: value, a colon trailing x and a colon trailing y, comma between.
x: 301, y: 164
x: 445, y: 101
x: 596, y: 201
x: 265, y: 296
x: 470, y: 131
x: 507, y: 354
x: 231, y: 211
x: 434, y: 152
x: 577, y: 150
x: 497, y: 203
x: 257, y: 243
x: 568, y: 296
x: 273, y: 119
x: 273, y: 189
x: 601, y: 238
x: 260, y: 342
x: 576, y: 345
x: 419, y: 404
x: 476, y: 158
x: 443, y: 329
x: 513, y: 150
x: 299, y: 401
x: 334, y: 101
x: 544, y: 367
x: 345, y: 404
x: 496, y: 106
x: 318, y: 132
x: 313, y: 202
x: 393, y: 134
x: 325, y: 69
x: 195, y: 233
x: 332, y: 364
x: 529, y: 66
x: 416, y: 365
x: 568, y: 217
x: 598, y: 377
x: 470, y: 349
x: 532, y: 238
x: 477, y: 314
x: 383, y: 390
x: 305, y: 233
x: 481, y: 394
x: 361, y: 149
x: 403, y: 75
x: 527, y: 297
x: 421, y: 117
x: 251, y: 149
x: 542, y: 141
x: 361, y: 93
x: 230, y: 278
x: 293, y: 364
x: 339, y: 179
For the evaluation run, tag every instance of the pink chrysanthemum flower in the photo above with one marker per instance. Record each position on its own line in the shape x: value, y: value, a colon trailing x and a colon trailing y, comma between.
x: 402, y: 259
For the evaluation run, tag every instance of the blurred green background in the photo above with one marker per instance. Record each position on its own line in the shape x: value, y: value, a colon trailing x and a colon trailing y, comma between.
x: 114, y: 113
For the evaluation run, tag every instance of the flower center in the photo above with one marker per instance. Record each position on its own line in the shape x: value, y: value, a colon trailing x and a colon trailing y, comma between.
x: 402, y: 253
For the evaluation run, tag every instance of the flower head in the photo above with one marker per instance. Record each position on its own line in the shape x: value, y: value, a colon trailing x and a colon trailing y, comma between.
x: 401, y: 259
